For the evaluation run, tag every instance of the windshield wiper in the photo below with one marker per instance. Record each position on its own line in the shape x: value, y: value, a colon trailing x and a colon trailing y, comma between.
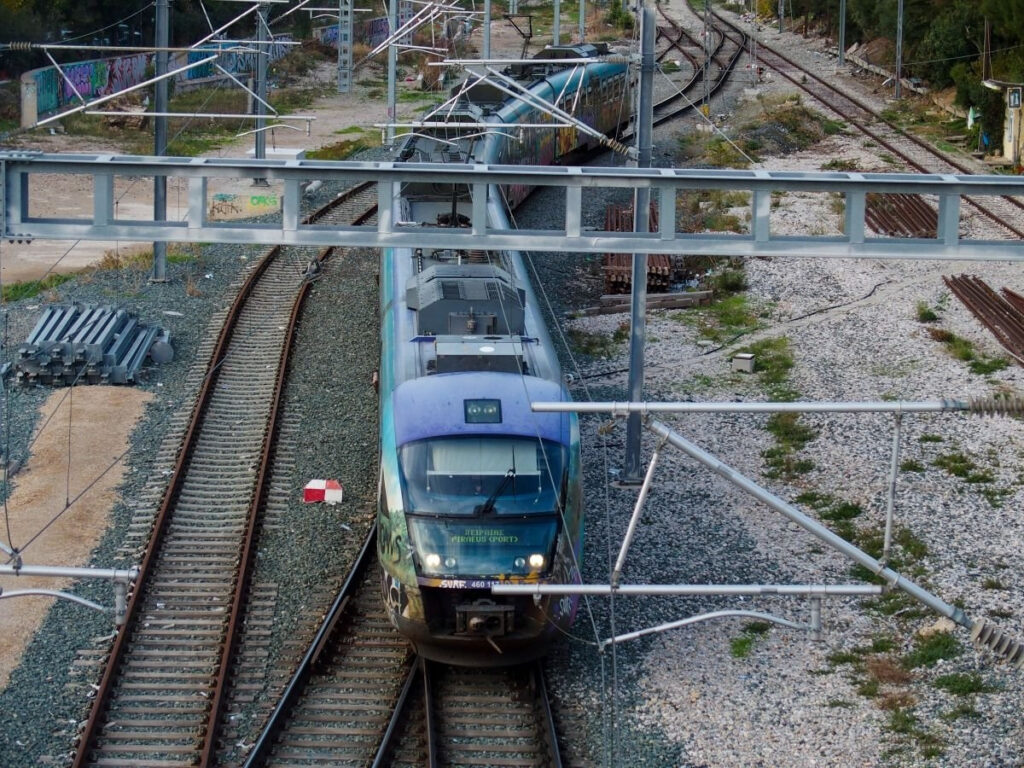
x: 488, y: 506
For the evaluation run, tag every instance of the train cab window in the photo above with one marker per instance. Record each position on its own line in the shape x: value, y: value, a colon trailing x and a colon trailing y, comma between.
x: 482, y: 476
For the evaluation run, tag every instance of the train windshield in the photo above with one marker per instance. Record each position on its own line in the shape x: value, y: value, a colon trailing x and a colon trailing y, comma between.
x: 482, y: 475
x: 447, y: 547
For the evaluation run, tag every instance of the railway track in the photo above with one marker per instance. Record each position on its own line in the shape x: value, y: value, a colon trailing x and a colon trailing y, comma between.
x: 361, y: 697
x: 337, y: 707
x: 725, y: 54
x: 161, y: 699
x: 903, y: 216
x: 473, y: 717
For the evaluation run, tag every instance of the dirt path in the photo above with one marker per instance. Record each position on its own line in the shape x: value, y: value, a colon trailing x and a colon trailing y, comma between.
x: 101, y: 419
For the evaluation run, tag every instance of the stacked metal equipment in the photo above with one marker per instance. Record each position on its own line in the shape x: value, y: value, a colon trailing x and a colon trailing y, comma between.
x: 618, y: 267
x: 88, y: 344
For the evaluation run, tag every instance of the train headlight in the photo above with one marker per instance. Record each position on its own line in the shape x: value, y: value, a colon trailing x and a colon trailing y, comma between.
x: 537, y: 562
x: 520, y: 562
x: 449, y: 562
x: 433, y: 561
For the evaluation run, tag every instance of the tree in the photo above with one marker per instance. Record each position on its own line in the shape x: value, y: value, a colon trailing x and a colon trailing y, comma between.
x: 948, y: 42
x: 1007, y: 16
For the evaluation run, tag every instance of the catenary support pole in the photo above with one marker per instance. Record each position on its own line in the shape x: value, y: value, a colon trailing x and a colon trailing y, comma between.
x: 162, y: 34
x: 842, y: 32
x: 641, y: 213
x: 262, y: 54
x: 894, y: 468
x: 487, y: 29
x: 899, y: 48
x: 345, y: 13
x: 392, y: 69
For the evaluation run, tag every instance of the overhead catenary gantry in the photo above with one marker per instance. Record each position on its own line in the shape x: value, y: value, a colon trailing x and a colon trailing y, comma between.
x: 666, y: 185
x: 983, y: 632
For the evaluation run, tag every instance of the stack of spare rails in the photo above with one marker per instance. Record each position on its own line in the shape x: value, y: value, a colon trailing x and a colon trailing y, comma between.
x: 83, y: 343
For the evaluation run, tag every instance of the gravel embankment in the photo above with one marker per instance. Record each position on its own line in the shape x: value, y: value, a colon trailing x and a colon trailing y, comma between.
x: 692, y: 696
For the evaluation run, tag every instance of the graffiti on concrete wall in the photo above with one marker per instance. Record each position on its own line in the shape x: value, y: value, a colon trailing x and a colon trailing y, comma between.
x: 372, y: 32
x: 89, y: 79
x: 102, y: 77
x: 235, y: 62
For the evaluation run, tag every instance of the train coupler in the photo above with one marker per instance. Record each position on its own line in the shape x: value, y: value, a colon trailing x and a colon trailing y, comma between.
x: 485, y: 618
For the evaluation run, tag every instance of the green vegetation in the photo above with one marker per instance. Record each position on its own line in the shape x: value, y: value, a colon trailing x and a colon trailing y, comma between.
x: 963, y: 708
x: 930, y: 438
x: 837, y: 164
x: 791, y: 436
x: 929, y: 649
x: 904, y: 723
x: 712, y: 210
x: 773, y: 361
x: 963, y: 684
x: 911, y: 465
x: 729, y: 315
x: 741, y: 646
x: 960, y: 465
x: 344, y: 149
x: 926, y: 314
x: 962, y: 349
x: 599, y: 345
x: 28, y: 289
x: 618, y: 16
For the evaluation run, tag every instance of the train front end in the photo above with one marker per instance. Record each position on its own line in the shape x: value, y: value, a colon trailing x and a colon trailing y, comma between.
x: 484, y: 492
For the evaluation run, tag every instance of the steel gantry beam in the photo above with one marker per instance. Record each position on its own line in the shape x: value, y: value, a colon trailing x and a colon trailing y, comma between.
x: 665, y: 184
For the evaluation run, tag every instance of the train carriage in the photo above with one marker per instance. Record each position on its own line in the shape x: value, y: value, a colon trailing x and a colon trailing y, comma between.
x: 475, y: 488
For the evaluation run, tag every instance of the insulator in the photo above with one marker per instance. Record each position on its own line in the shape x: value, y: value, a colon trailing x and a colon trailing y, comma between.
x: 989, y: 636
x: 19, y: 46
x: 997, y: 406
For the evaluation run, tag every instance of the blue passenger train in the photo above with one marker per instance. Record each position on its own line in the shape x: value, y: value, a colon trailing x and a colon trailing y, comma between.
x: 475, y: 488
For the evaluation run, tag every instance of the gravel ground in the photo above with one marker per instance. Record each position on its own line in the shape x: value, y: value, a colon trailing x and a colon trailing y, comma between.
x: 726, y: 693
x: 46, y: 699
x: 684, y: 698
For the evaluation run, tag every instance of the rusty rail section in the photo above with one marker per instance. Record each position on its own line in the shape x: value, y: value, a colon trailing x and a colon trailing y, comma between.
x: 901, y: 215
x: 1002, y: 315
x: 618, y: 267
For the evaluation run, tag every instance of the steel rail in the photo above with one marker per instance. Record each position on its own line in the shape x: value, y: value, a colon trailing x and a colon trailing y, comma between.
x: 546, y: 715
x: 765, y: 49
x: 429, y: 713
x: 389, y: 743
x: 258, y: 755
x: 177, y: 480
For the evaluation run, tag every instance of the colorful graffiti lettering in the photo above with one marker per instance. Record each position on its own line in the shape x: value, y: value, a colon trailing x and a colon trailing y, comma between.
x: 262, y: 201
x: 102, y: 77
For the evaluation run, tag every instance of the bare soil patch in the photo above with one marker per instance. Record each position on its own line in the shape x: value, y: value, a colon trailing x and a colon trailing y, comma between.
x: 101, y: 419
